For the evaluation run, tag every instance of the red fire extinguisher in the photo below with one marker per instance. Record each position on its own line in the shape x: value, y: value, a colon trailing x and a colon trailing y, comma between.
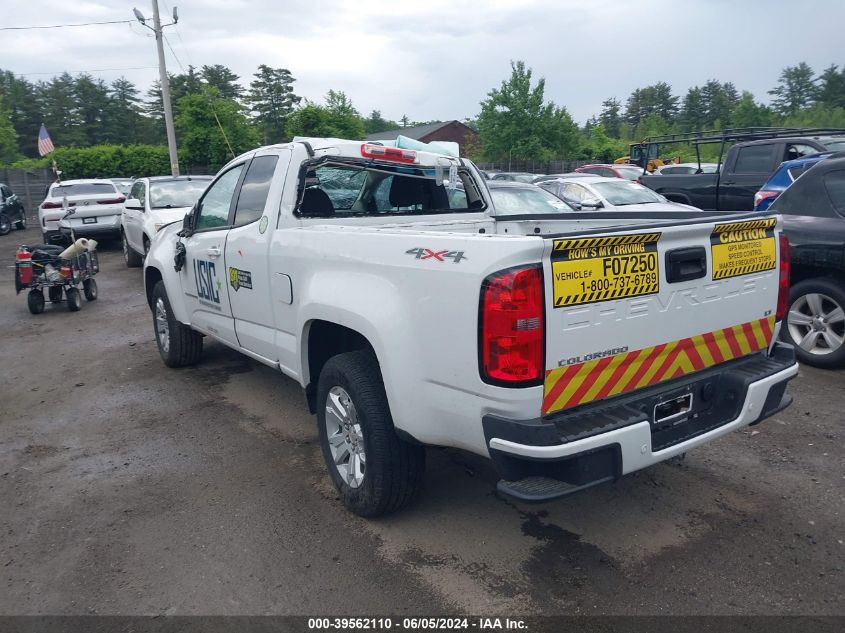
x: 24, y: 260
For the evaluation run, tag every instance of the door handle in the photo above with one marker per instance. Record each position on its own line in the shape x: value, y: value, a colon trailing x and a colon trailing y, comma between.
x: 214, y: 251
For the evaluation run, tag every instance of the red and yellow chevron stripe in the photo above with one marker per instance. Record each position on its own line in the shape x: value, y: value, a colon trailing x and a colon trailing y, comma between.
x: 593, y: 380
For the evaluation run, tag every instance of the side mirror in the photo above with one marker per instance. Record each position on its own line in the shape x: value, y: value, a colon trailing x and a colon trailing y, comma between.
x: 188, y: 222
x: 591, y: 203
x: 133, y: 204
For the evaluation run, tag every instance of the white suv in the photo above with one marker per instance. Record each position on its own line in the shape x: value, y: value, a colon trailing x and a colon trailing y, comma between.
x: 97, y: 207
x: 152, y: 204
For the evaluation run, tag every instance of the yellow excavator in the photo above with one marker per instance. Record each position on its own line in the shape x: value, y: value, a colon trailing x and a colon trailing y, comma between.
x: 644, y: 154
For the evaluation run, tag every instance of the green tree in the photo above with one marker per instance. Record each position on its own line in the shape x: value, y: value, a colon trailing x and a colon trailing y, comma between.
x: 831, y: 91
x: 198, y: 126
x: 656, y: 99
x: 59, y: 107
x: 272, y: 100
x: 749, y: 113
x: 124, y: 121
x: 337, y: 119
x: 8, y: 136
x: 24, y: 110
x: 693, y: 115
x: 92, y: 105
x: 602, y: 148
x: 611, y: 118
x: 516, y: 122
x: 817, y: 116
x: 651, y: 124
x: 377, y: 123
x: 220, y: 77
x: 796, y: 89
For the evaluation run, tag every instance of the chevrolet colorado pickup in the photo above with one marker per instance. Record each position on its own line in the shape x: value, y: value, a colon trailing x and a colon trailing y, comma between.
x: 568, y: 348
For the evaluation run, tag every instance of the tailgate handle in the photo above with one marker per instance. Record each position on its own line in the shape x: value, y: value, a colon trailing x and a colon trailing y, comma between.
x: 683, y: 264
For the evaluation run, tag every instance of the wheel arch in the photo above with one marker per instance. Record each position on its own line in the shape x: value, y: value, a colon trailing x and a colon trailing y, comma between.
x: 322, y: 340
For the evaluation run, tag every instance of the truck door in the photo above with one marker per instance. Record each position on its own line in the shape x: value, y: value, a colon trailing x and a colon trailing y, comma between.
x: 204, y: 273
x: 247, y: 249
x: 745, y: 174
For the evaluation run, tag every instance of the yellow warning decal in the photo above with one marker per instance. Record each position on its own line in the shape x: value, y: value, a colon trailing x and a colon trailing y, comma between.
x: 593, y: 269
x: 741, y: 248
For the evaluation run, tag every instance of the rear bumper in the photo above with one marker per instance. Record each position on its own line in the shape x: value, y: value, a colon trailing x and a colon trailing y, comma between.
x: 105, y: 227
x: 549, y: 458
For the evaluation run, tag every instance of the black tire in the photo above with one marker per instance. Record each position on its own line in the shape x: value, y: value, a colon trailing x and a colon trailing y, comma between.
x: 54, y: 293
x: 5, y: 224
x: 831, y: 295
x: 74, y: 299
x: 20, y: 225
x: 132, y: 259
x: 393, y: 468
x: 184, y: 345
x: 89, y: 287
x: 35, y: 301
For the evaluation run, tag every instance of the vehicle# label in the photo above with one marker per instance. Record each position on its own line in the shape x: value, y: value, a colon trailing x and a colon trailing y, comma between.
x: 593, y: 269
x: 610, y: 373
x: 741, y: 248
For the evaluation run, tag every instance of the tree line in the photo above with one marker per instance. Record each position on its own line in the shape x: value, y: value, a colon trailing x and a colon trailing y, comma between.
x: 516, y: 122
x: 216, y: 116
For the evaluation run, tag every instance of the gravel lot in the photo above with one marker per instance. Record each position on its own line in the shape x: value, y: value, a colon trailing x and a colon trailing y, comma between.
x: 130, y: 488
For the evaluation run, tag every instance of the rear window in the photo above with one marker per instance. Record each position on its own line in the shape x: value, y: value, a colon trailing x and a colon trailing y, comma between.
x: 82, y: 189
x: 755, y: 159
x: 170, y: 194
x: 836, y: 146
x: 630, y: 174
x: 345, y: 188
x: 526, y: 201
x: 794, y: 172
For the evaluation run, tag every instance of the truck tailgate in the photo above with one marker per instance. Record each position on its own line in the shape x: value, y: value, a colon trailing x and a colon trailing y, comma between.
x: 633, y: 308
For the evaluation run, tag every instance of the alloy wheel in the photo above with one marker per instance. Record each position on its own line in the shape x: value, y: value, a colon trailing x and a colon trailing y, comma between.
x: 817, y: 324
x: 346, y: 439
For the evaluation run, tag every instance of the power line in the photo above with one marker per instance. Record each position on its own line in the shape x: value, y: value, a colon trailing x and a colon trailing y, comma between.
x: 90, y: 70
x: 61, y: 26
x: 172, y: 52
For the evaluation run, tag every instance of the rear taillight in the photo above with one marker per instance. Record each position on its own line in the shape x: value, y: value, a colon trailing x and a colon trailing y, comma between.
x: 764, y: 195
x: 51, y: 205
x: 511, y: 328
x: 119, y: 200
x: 783, y: 281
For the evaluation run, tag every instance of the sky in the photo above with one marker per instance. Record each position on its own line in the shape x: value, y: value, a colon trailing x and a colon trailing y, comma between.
x: 436, y: 60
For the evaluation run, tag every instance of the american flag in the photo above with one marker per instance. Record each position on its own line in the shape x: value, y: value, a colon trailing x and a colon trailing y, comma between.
x: 45, y: 145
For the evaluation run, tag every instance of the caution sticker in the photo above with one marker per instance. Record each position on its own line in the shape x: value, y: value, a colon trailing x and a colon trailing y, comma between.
x: 741, y: 248
x: 593, y: 269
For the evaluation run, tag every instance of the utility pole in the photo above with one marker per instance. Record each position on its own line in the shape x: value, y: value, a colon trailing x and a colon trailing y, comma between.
x: 164, y: 80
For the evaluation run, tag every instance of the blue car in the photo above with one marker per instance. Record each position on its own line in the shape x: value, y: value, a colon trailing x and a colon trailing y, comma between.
x: 785, y: 175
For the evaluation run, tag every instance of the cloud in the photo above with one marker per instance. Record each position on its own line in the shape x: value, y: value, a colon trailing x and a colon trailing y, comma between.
x: 438, y: 59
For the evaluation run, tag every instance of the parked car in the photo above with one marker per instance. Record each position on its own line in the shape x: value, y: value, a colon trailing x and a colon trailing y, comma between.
x: 97, y: 206
x: 746, y: 167
x: 597, y: 192
x: 12, y: 212
x: 513, y: 176
x: 152, y: 204
x: 687, y: 168
x: 628, y: 172
x: 813, y: 210
x: 538, y: 179
x: 785, y: 175
x: 519, y: 198
x: 410, y: 322
x: 123, y: 184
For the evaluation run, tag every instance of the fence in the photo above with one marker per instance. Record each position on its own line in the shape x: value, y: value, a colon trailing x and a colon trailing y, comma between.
x: 535, y: 166
x: 30, y: 185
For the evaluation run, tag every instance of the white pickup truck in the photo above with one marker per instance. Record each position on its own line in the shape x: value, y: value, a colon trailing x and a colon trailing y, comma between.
x: 570, y: 349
